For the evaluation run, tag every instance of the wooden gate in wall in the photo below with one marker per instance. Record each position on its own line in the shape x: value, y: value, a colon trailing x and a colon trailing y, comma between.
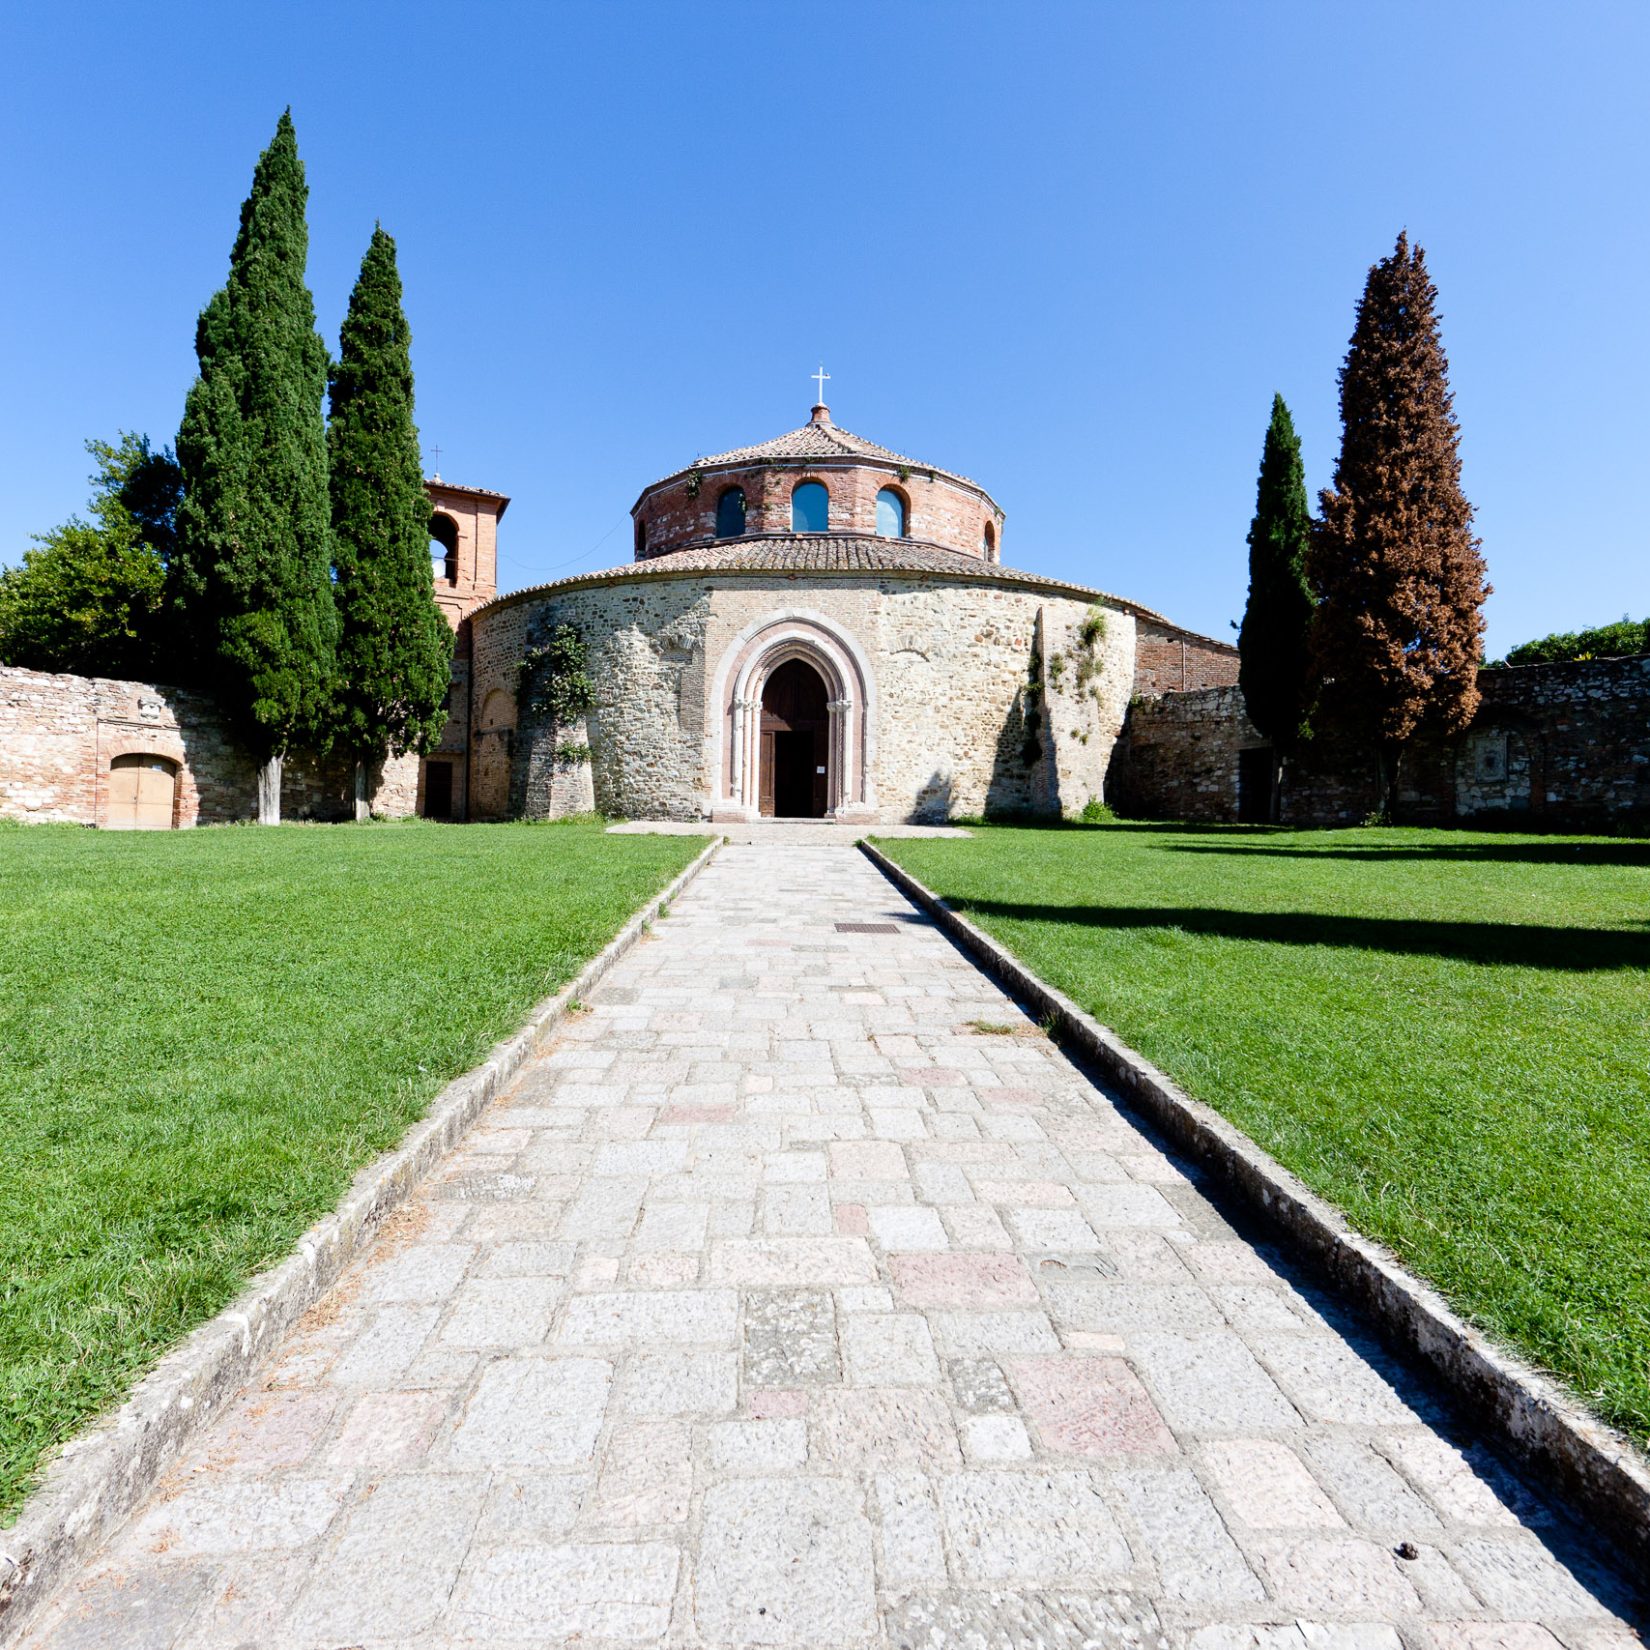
x: 143, y: 793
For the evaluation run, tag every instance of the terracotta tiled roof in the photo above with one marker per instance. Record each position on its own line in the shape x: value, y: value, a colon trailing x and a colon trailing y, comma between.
x: 820, y: 553
x: 825, y: 441
x: 822, y: 441
x: 825, y: 553
x: 475, y: 492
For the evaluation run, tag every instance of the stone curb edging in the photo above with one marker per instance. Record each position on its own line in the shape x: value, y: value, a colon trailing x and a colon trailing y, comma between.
x: 1592, y: 1468
x: 101, y: 1475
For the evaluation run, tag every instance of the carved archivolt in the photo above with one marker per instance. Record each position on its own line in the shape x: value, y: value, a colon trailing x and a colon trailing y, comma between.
x: 737, y: 694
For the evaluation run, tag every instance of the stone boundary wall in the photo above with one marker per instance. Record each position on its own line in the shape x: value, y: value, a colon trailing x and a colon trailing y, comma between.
x: 60, y: 733
x: 1178, y: 756
x: 1560, y: 746
x: 1596, y: 1470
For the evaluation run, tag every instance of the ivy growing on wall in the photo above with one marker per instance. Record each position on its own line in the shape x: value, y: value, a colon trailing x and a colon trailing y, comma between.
x: 1088, y: 655
x: 553, y: 679
x: 1091, y: 656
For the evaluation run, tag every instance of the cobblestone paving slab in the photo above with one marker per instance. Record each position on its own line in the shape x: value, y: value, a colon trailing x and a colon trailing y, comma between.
x: 781, y: 1304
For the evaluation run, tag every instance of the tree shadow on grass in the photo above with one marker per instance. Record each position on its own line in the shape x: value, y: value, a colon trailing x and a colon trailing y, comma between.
x: 1515, y: 945
x: 1553, y: 852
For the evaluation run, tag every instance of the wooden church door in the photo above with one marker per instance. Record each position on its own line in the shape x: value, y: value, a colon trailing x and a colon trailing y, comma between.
x: 767, y: 771
x: 795, y: 782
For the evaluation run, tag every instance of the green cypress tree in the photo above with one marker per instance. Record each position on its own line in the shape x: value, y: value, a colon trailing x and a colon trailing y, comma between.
x: 1277, y: 619
x: 394, y: 646
x: 254, y: 574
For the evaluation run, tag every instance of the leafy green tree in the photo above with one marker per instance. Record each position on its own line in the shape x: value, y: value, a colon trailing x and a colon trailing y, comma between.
x: 254, y: 545
x: 1396, y: 636
x: 1273, y: 650
x: 394, y: 646
x: 1605, y: 641
x: 90, y: 598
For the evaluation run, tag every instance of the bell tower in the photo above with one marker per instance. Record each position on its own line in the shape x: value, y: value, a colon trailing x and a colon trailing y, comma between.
x: 463, y: 546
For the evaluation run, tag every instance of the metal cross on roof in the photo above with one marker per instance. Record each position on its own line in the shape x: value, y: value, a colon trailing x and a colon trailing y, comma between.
x: 819, y: 378
x: 435, y: 461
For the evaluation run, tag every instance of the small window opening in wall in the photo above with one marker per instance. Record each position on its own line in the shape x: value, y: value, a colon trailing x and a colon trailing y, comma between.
x: 641, y: 537
x: 890, y: 514
x: 989, y: 542
x: 810, y: 508
x: 730, y: 513
x: 444, y: 547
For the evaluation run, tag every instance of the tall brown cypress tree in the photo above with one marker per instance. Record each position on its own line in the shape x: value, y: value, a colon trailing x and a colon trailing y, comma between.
x: 1393, y: 562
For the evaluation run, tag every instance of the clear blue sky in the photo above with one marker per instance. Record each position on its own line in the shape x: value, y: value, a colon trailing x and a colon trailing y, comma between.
x: 1070, y: 250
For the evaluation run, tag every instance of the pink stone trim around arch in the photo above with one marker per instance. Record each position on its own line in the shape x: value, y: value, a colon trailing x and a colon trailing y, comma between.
x: 736, y: 703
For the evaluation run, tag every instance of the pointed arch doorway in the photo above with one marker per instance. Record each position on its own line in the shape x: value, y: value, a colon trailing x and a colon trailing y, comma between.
x: 743, y: 760
x: 795, y: 752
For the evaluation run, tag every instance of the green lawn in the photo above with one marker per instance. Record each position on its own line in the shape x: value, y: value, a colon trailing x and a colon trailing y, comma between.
x: 1445, y: 1033
x: 203, y: 1034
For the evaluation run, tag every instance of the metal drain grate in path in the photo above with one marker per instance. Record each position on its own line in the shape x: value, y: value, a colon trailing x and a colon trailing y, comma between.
x: 867, y: 928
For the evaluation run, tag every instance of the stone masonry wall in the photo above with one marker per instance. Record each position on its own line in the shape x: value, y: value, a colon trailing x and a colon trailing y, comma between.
x: 59, y: 734
x: 452, y: 748
x: 1179, y: 755
x: 1563, y: 746
x: 949, y: 661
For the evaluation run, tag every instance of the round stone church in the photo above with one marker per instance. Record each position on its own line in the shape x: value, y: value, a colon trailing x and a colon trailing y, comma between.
x: 815, y: 627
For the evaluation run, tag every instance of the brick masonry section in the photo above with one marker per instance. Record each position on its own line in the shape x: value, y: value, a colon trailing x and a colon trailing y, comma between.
x: 1170, y: 660
x: 775, y: 1304
x: 1562, y: 746
x: 59, y: 736
x: 940, y: 508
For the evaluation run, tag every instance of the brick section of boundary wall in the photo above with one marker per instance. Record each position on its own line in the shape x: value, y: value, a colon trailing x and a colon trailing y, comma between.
x: 60, y: 734
x: 1562, y: 746
x: 1170, y: 660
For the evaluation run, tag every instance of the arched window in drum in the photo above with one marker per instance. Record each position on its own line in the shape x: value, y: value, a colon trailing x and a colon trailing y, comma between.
x: 730, y: 513
x: 890, y: 514
x: 810, y: 508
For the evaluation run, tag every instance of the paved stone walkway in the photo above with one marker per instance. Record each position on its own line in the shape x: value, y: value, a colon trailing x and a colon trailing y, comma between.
x: 793, y: 1300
